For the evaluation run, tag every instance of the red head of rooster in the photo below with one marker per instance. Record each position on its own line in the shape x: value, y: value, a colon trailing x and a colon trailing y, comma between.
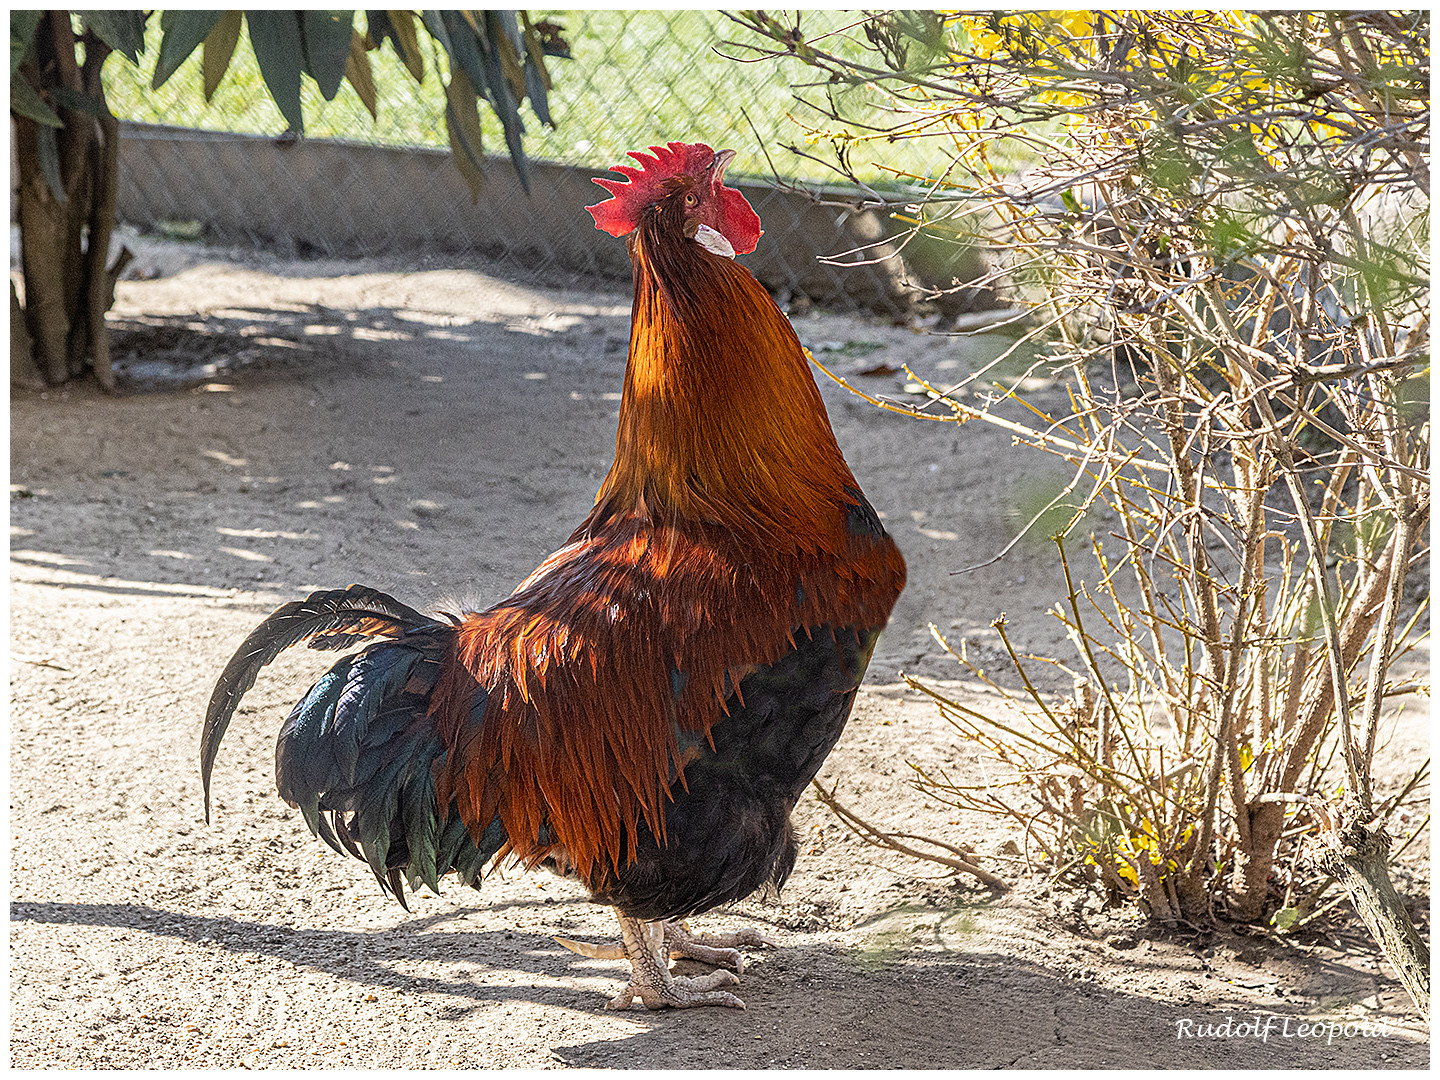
x: 717, y: 216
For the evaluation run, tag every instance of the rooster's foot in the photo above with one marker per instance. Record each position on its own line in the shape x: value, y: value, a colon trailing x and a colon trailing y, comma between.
x: 647, y: 945
x: 718, y: 949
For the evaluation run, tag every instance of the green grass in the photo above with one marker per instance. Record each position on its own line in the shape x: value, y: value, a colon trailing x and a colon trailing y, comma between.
x: 637, y: 77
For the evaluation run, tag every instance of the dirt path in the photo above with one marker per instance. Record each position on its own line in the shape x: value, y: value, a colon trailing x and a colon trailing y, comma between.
x: 434, y: 431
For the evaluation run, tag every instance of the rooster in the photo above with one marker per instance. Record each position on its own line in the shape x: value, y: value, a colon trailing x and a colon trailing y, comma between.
x: 644, y: 710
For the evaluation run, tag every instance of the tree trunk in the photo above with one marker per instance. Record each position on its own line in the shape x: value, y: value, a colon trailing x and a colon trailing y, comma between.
x: 1357, y: 853
x: 65, y: 235
x: 42, y: 247
x: 1249, y: 887
x: 99, y: 286
x: 22, y: 349
x: 1250, y: 880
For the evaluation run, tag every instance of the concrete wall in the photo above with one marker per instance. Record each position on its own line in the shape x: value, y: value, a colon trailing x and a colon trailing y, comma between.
x: 339, y: 197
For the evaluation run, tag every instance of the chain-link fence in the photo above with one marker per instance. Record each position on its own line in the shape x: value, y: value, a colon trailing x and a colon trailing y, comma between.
x: 366, y: 187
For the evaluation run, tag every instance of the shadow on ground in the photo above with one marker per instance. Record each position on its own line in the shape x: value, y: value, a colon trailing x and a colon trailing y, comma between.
x: 973, y: 1009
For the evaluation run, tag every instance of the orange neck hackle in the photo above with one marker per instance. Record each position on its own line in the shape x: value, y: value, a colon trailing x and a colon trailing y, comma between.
x: 720, y: 418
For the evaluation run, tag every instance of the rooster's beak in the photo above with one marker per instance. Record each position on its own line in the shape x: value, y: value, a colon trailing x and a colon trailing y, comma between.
x: 722, y: 159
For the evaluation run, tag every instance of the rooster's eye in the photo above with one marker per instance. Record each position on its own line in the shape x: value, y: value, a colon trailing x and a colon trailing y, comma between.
x: 690, y: 199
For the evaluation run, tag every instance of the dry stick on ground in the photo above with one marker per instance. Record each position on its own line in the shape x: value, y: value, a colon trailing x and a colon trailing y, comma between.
x: 882, y: 839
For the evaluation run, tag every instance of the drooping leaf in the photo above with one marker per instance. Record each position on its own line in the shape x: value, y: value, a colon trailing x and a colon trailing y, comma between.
x: 435, y: 23
x: 357, y: 70
x: 537, y: 77
x: 534, y: 45
x: 473, y: 177
x: 460, y: 96
x: 378, y: 30
x: 462, y: 123
x: 219, y: 48
x: 535, y: 88
x: 123, y: 31
x: 508, y: 46
x: 48, y: 149
x: 275, y: 37
x: 22, y: 35
x: 496, y: 69
x: 25, y: 100
x: 505, y: 105
x: 404, y: 24
x: 463, y: 45
x: 326, y: 42
x: 183, y: 33
x: 399, y: 28
x: 77, y: 101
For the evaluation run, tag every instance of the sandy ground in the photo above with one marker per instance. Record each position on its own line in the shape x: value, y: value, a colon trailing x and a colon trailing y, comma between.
x: 429, y: 431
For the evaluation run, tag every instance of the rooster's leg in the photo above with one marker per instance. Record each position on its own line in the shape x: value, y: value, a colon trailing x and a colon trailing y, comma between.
x: 718, y: 949
x: 650, y: 979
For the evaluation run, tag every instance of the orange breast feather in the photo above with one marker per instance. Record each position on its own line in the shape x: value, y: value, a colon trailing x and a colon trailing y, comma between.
x: 579, y: 665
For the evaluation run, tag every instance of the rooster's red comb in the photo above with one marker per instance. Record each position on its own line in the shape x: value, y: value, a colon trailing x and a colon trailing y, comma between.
x: 620, y: 214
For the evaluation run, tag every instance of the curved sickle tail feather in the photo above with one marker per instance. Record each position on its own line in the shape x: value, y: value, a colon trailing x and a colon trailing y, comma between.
x: 357, y: 756
x: 332, y: 619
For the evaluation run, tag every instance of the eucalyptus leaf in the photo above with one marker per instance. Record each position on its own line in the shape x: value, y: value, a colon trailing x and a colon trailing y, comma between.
x: 48, y: 149
x: 219, y: 48
x: 535, y: 89
x: 326, y: 41
x: 462, y: 115
x: 435, y: 23
x: 183, y: 32
x: 537, y: 78
x: 505, y: 107
x: 275, y: 37
x: 510, y: 48
x: 399, y: 28
x: 404, y: 24
x: 22, y: 35
x: 25, y: 100
x: 462, y: 124
x: 123, y: 31
x: 357, y: 70
x: 379, y: 29
x: 466, y: 166
x: 462, y: 43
